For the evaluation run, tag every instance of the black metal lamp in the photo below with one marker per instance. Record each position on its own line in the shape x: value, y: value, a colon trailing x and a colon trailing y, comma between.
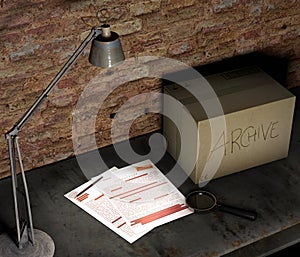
x: 106, y: 51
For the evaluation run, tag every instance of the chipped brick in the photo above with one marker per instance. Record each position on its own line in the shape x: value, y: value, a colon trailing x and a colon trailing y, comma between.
x: 144, y: 7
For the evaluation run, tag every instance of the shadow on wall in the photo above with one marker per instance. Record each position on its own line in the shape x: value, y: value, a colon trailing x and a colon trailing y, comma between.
x: 276, y: 67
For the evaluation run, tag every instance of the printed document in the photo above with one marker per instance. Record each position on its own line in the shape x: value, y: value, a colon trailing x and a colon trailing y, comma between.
x: 131, y: 201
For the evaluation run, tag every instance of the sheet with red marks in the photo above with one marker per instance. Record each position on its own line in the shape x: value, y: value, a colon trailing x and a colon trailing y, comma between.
x: 100, y: 207
x: 144, y: 196
x: 132, y: 200
x: 142, y: 180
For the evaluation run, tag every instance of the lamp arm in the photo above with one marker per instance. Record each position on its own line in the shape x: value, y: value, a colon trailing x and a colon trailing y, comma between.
x: 18, y: 126
x: 14, y: 149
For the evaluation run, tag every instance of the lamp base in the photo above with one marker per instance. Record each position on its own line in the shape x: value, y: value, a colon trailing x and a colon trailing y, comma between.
x: 44, y: 246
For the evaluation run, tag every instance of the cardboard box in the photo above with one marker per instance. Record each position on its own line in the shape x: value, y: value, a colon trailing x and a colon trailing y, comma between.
x: 258, y: 114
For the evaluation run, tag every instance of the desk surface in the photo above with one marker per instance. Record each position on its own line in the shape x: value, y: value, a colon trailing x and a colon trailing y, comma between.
x: 272, y: 189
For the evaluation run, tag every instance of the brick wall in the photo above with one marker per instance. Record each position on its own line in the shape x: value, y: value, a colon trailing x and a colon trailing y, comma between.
x: 38, y: 36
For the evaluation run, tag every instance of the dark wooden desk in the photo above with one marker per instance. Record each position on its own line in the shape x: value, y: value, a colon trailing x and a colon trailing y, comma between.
x: 272, y: 189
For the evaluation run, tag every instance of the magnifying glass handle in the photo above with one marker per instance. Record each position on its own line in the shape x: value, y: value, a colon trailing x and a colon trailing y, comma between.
x: 251, y: 215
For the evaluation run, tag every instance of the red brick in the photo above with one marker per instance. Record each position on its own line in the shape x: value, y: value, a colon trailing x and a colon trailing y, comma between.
x: 143, y: 7
x: 224, y: 5
x: 40, y: 36
x: 176, y: 4
x: 12, y: 38
x: 157, y: 21
x: 180, y: 30
x: 18, y: 20
x: 127, y: 27
x: 182, y: 47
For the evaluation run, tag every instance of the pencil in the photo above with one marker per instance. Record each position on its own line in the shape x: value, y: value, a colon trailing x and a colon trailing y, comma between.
x: 96, y: 181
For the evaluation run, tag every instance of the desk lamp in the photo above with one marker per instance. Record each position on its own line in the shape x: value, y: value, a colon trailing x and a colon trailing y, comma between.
x: 106, y: 51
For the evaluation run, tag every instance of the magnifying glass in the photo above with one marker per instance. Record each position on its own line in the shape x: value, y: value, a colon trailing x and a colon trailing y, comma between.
x: 203, y: 201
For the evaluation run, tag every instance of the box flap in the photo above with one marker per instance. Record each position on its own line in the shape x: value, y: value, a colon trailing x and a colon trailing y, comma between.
x: 236, y: 90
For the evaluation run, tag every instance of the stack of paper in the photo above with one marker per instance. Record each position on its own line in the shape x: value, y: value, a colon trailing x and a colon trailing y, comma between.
x: 131, y: 201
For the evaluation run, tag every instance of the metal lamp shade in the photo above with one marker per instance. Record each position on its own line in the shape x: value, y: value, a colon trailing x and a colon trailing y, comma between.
x: 106, y: 51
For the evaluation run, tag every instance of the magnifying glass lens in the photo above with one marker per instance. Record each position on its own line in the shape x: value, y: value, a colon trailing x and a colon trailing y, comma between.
x: 201, y: 201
